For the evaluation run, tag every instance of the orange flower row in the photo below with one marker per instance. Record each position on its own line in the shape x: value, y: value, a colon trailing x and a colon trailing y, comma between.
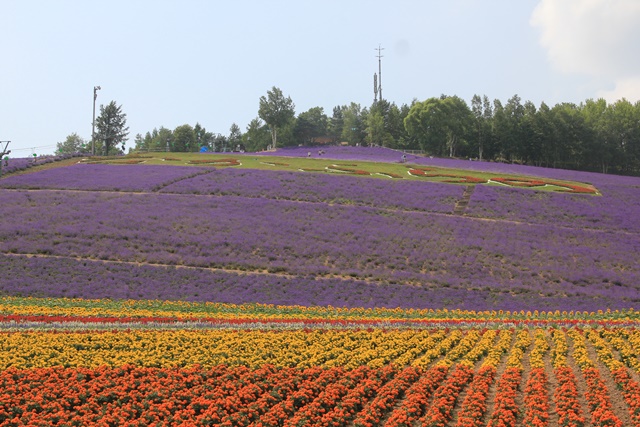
x: 631, y: 392
x: 446, y: 396
x: 417, y: 398
x: 354, y: 383
x: 599, y: 400
x: 385, y: 398
x: 565, y: 398
x: 506, y: 409
x: 536, y: 399
x: 474, y: 405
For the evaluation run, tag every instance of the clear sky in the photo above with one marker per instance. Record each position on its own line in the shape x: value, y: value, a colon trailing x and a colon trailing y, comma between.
x: 169, y: 63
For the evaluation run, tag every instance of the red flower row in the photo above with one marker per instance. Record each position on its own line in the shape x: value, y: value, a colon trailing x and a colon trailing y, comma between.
x: 536, y: 399
x: 565, y: 398
x: 326, y: 412
x: 630, y: 391
x: 474, y: 405
x: 417, y: 398
x: 511, y: 181
x: 385, y: 398
x: 505, y: 406
x: 446, y: 396
x: 599, y: 401
x: 454, y: 178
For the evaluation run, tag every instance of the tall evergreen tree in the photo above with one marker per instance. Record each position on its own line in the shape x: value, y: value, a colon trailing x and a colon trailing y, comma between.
x: 111, y: 127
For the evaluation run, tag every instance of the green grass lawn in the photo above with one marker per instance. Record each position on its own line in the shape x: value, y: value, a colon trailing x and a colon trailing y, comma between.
x: 376, y: 170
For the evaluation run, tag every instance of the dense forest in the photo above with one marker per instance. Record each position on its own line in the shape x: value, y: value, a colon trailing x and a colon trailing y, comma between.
x: 594, y: 135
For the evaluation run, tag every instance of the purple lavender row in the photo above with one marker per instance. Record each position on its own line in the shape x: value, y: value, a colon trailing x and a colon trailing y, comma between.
x: 311, y: 240
x: 618, y: 209
x: 46, y: 277
x: 23, y: 163
x: 104, y: 177
x: 315, y: 187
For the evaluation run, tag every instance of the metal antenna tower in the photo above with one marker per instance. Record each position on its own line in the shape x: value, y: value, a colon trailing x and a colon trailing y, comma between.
x: 379, y: 56
x: 375, y: 88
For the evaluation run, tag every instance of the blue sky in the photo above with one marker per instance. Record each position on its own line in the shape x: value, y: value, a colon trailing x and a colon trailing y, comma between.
x: 169, y: 63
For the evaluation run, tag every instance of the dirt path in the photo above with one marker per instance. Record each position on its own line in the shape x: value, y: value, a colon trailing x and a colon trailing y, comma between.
x: 552, y: 385
x: 491, y: 395
x: 581, y: 385
x: 619, y: 406
x: 461, y: 205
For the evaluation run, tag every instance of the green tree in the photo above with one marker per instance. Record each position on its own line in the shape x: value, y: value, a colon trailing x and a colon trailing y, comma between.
x: 425, y: 123
x: 277, y: 111
x: 184, y: 139
x: 73, y: 144
x: 483, y: 115
x: 394, y: 125
x: 336, y: 123
x: 440, y: 125
x: 111, y: 127
x: 353, y: 129
x: 598, y: 153
x: 624, y: 134
x: 512, y: 138
x: 202, y: 137
x: 310, y: 124
x: 235, y: 136
x: 257, y: 136
x: 376, y: 134
x: 569, y: 130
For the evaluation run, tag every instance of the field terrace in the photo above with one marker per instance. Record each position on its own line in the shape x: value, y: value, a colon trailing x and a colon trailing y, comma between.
x: 141, y: 295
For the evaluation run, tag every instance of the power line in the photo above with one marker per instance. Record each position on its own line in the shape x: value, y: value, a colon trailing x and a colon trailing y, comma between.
x: 34, y: 148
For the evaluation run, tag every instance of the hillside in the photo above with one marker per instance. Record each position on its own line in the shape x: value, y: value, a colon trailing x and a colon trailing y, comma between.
x: 342, y: 288
x: 239, y: 235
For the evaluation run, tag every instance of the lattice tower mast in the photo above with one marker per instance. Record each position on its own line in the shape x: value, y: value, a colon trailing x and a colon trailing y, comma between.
x: 379, y: 56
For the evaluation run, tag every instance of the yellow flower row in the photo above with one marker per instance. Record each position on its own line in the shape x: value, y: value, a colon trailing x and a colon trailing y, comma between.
x: 465, y: 346
x: 505, y: 337
x: 580, y: 353
x: 418, y: 344
x: 207, y: 348
x: 181, y: 310
x: 523, y: 341
x: 327, y: 348
x: 541, y: 346
x: 481, y: 349
x: 439, y: 349
x: 604, y: 352
x: 560, y: 348
x: 621, y: 341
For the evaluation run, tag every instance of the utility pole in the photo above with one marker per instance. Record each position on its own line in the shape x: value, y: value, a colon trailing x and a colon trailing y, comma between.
x: 5, y: 152
x: 379, y: 56
x: 93, y: 123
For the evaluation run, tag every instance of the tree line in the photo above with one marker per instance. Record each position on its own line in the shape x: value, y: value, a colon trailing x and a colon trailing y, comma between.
x: 593, y: 135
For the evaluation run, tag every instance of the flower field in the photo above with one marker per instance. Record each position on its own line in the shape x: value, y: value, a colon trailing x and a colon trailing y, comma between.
x: 185, y: 295
x: 107, y: 362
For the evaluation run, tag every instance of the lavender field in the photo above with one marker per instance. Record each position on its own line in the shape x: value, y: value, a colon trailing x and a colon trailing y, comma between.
x: 242, y: 236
